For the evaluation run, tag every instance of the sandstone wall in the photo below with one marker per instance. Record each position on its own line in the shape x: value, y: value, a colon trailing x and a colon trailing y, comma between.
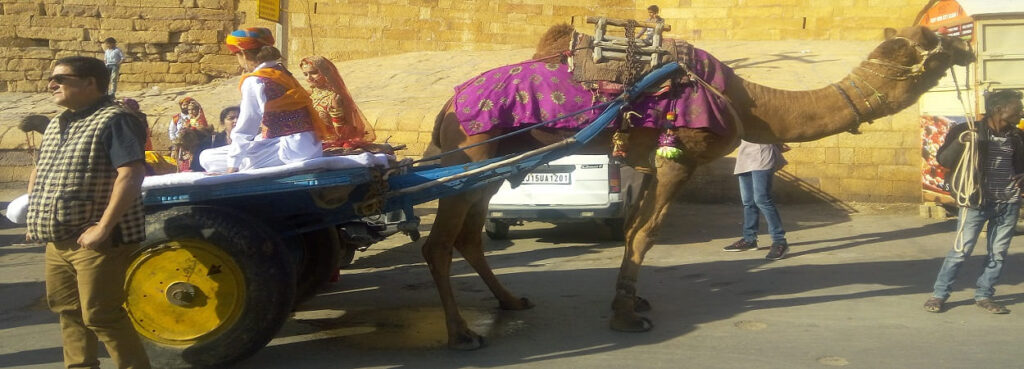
x: 165, y: 42
x: 880, y: 165
x: 345, y: 29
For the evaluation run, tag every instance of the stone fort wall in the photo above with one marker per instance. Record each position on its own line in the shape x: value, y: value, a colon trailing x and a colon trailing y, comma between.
x: 173, y: 43
x: 165, y: 42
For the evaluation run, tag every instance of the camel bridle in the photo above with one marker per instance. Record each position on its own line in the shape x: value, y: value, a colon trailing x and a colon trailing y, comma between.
x: 902, y: 73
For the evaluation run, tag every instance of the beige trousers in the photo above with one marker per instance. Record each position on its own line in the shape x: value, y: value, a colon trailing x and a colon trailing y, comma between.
x: 86, y: 289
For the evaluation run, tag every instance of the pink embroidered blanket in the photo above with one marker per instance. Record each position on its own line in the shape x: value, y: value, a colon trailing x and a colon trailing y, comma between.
x: 529, y: 93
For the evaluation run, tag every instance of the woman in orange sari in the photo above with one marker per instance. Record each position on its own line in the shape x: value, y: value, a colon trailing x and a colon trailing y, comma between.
x: 348, y: 129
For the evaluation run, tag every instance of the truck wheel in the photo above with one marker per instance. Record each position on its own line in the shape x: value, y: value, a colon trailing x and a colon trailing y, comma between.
x: 496, y: 229
x: 617, y: 229
x: 208, y: 287
x: 348, y: 253
x: 321, y: 258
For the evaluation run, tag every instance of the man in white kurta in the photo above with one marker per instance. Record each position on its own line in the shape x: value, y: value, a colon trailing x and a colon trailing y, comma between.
x: 249, y: 149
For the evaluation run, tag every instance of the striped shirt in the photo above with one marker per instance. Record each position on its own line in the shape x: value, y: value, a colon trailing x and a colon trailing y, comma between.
x: 999, y: 171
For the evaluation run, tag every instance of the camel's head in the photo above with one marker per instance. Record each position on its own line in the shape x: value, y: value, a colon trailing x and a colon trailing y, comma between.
x: 554, y: 44
x: 915, y: 51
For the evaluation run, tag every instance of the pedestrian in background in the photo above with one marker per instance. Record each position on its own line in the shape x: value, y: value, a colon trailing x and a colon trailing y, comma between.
x: 85, y: 203
x: 1000, y: 170
x: 114, y: 57
x: 755, y: 167
x: 647, y: 34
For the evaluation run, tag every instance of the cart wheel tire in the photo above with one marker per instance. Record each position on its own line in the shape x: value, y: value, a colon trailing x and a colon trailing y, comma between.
x: 348, y: 253
x: 496, y: 229
x: 321, y: 258
x: 617, y: 229
x: 208, y: 287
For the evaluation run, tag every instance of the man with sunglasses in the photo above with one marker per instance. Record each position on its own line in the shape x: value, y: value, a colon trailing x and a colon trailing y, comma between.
x: 85, y: 203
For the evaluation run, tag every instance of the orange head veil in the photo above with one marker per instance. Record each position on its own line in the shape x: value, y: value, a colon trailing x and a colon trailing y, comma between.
x: 201, y: 118
x: 350, y: 112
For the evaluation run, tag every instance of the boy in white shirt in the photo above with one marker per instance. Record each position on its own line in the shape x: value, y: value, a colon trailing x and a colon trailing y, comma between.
x: 113, y: 56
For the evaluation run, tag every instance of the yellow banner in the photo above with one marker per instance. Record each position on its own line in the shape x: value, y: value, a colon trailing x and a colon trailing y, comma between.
x: 269, y: 10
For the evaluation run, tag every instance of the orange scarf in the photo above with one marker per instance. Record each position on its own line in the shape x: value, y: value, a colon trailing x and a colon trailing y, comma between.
x: 294, y: 98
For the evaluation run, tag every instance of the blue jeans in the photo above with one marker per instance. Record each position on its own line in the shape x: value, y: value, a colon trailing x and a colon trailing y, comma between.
x: 115, y: 71
x: 756, y: 194
x: 1001, y: 220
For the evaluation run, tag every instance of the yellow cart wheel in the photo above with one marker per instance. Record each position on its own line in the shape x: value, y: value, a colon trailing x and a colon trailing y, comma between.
x: 183, y: 292
x: 209, y: 286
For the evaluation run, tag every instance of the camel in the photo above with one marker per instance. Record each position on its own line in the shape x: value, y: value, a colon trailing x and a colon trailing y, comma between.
x: 903, y: 67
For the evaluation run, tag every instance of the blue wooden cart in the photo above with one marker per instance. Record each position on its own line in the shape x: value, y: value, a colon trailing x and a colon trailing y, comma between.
x: 223, y: 265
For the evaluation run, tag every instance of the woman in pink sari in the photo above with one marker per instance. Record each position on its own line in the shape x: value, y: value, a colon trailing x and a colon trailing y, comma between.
x: 347, y: 129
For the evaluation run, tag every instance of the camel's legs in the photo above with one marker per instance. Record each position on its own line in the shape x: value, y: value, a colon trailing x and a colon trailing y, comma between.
x: 470, y: 245
x: 437, y: 250
x: 448, y: 227
x: 641, y: 229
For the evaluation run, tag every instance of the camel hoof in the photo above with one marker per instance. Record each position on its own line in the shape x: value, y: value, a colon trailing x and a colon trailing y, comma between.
x: 631, y: 324
x: 521, y: 304
x: 466, y: 341
x: 641, y: 305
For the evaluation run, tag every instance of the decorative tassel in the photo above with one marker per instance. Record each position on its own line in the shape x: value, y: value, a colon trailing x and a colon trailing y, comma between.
x: 667, y: 146
x: 620, y: 142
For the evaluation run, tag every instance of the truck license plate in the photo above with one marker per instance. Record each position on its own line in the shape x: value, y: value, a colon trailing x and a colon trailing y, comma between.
x: 547, y: 178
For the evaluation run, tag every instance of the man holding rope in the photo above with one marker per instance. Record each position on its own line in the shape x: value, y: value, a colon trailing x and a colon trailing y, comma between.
x: 987, y: 170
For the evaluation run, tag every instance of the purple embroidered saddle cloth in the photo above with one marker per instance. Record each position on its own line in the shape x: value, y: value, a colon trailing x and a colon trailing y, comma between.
x: 529, y: 93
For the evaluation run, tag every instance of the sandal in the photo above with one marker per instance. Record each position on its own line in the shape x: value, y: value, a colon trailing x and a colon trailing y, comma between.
x: 933, y: 305
x: 992, y: 307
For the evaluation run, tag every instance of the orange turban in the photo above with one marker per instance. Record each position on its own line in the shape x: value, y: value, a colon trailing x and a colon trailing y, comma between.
x: 249, y: 39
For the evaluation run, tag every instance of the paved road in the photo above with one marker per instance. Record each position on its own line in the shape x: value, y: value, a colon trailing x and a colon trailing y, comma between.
x: 849, y: 294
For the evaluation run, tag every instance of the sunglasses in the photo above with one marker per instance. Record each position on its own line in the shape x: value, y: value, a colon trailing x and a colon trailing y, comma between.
x: 61, y: 78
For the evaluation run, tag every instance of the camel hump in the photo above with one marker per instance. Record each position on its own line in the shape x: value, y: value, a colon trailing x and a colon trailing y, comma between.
x: 554, y: 44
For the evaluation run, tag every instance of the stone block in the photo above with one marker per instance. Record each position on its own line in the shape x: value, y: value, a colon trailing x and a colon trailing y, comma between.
x: 37, y: 53
x: 24, y: 8
x: 12, y: 75
x: 130, y: 77
x: 135, y: 37
x: 29, y: 86
x: 162, y: 14
x: 217, y: 48
x: 66, y: 34
x: 883, y: 156
x: 386, y: 121
x: 401, y: 137
x: 209, y: 14
x: 869, y: 187
x: 60, y: 22
x: 88, y: 2
x: 29, y: 64
x: 52, y: 9
x: 197, y: 78
x: 188, y: 57
x: 165, y: 3
x: 219, y: 65
x: 117, y: 24
x: 182, y: 68
x: 146, y: 67
x: 201, y: 36
x: 175, y: 78
x: 167, y: 25
x: 7, y: 32
x: 214, y: 4
x: 118, y: 12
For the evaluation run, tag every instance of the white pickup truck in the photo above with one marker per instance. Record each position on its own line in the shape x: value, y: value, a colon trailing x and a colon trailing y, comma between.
x: 573, y: 188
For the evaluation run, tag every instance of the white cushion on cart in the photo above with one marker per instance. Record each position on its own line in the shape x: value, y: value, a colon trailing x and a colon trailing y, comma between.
x: 17, y: 210
x: 323, y: 163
